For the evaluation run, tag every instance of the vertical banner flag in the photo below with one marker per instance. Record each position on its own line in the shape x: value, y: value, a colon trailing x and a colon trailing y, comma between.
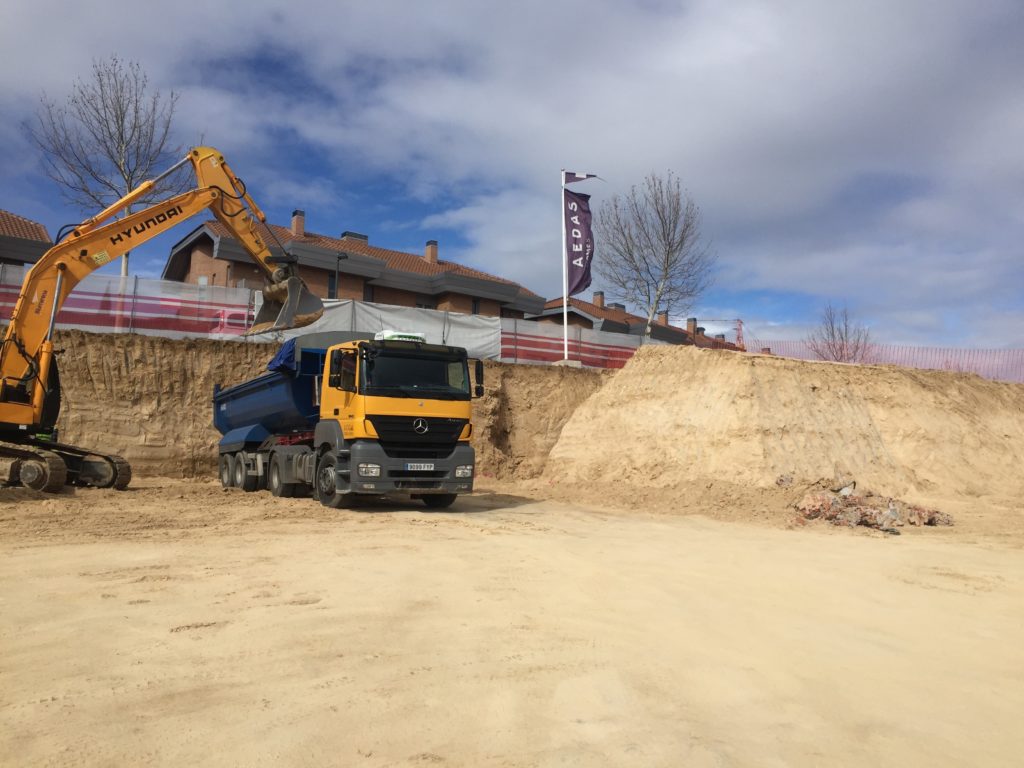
x: 579, y: 239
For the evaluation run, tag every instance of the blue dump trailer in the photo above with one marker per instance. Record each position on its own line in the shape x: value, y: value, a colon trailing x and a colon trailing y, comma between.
x: 343, y: 414
x: 284, y: 400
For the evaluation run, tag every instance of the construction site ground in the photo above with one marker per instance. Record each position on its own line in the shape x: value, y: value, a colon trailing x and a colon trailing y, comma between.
x: 632, y: 584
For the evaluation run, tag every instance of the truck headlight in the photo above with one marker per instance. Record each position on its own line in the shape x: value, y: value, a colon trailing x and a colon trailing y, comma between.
x: 369, y: 470
x: 465, y: 470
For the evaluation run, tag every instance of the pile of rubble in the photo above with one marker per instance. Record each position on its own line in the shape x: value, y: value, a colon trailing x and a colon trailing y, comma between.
x: 842, y: 506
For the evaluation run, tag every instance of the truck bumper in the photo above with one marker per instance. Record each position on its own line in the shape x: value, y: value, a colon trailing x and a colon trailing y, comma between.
x: 409, y: 475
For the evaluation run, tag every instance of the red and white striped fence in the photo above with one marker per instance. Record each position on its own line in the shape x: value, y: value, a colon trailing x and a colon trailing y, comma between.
x: 103, y: 304
x: 524, y: 341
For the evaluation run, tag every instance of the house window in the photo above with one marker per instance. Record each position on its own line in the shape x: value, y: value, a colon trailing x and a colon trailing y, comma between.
x: 332, y: 286
x: 367, y: 292
x: 425, y: 302
x: 476, y: 306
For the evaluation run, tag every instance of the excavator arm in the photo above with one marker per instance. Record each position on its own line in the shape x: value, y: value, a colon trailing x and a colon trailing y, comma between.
x: 26, y: 382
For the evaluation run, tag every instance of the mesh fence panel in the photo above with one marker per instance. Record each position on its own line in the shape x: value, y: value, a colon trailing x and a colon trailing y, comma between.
x: 995, y: 364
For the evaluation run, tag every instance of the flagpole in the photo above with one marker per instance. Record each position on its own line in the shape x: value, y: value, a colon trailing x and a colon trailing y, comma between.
x: 565, y: 279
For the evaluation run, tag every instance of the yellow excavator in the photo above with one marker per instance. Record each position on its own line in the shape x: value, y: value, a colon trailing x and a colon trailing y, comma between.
x: 29, y: 382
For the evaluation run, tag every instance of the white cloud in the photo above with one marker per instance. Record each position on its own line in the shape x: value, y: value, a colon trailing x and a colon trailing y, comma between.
x: 773, y: 114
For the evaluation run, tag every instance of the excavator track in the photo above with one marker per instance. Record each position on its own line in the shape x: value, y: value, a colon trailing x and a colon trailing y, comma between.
x: 90, y: 469
x: 33, y: 467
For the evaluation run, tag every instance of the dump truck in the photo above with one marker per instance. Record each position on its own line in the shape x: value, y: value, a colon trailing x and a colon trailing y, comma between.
x: 339, y: 416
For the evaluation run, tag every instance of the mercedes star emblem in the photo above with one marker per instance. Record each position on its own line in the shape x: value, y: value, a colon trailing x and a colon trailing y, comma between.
x: 420, y: 426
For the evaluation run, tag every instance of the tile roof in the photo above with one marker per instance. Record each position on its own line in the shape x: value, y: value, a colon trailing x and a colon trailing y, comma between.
x: 12, y: 225
x: 628, y: 318
x: 605, y: 312
x: 396, y: 260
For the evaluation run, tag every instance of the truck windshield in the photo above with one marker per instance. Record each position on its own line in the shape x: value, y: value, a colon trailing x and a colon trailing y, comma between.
x: 415, y: 375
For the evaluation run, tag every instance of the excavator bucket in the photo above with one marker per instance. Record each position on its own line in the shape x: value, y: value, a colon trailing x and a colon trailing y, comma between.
x: 287, y: 304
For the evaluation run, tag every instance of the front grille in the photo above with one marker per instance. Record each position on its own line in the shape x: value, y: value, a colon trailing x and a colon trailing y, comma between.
x: 410, y: 485
x: 404, y: 473
x: 399, y: 439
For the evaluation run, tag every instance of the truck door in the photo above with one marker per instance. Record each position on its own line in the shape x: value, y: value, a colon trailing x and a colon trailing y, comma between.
x: 339, y: 394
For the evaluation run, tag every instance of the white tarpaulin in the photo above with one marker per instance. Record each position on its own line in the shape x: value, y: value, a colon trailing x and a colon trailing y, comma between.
x: 481, y: 336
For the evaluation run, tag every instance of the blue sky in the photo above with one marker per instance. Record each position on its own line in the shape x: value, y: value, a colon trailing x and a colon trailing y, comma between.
x: 864, y: 153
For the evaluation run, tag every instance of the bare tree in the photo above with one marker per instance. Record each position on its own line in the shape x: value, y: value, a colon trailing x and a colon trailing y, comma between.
x: 652, y: 254
x: 839, y: 338
x: 112, y: 133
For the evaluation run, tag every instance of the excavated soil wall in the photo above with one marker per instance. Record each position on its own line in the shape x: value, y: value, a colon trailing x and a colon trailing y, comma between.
x: 148, y: 399
x: 676, y: 428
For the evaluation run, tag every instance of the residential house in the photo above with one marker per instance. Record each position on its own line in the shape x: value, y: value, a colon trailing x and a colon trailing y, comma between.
x: 349, y: 267
x: 597, y: 315
x: 22, y: 241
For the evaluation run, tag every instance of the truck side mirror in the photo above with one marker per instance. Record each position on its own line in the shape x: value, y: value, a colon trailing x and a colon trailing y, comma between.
x: 479, y: 371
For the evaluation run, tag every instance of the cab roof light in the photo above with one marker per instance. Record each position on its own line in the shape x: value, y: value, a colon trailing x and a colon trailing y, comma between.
x: 400, y: 336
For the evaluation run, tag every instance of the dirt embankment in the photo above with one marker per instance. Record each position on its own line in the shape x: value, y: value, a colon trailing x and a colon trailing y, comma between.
x: 522, y: 413
x: 678, y: 429
x: 678, y: 421
x: 148, y: 399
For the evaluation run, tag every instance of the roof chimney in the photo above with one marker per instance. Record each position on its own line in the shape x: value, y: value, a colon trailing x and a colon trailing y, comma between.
x: 663, y: 317
x: 430, y: 253
x: 700, y: 330
x: 346, y: 235
x: 598, y: 298
x: 691, y: 326
x: 298, y: 223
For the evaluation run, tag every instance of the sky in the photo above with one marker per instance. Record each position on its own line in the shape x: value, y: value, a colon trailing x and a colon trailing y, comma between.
x: 861, y: 153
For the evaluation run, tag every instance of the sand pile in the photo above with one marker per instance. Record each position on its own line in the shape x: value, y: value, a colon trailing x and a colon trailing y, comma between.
x: 682, y: 418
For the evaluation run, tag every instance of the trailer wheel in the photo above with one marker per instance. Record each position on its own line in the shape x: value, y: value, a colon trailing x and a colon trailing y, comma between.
x: 243, y: 479
x: 439, y: 500
x: 226, y: 471
x: 327, y: 486
x: 274, y: 475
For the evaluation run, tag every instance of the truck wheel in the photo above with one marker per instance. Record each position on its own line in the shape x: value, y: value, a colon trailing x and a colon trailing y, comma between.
x: 226, y: 471
x: 274, y: 475
x: 327, y: 486
x: 439, y: 500
x: 243, y: 479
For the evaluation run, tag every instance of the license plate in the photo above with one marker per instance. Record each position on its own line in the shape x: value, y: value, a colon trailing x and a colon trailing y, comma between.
x: 420, y: 467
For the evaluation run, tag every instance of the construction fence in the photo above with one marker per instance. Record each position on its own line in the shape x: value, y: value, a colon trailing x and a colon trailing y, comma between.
x: 995, y: 364
x: 113, y: 304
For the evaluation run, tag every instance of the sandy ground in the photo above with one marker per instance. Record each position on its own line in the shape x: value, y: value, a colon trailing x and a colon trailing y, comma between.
x: 179, y: 624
